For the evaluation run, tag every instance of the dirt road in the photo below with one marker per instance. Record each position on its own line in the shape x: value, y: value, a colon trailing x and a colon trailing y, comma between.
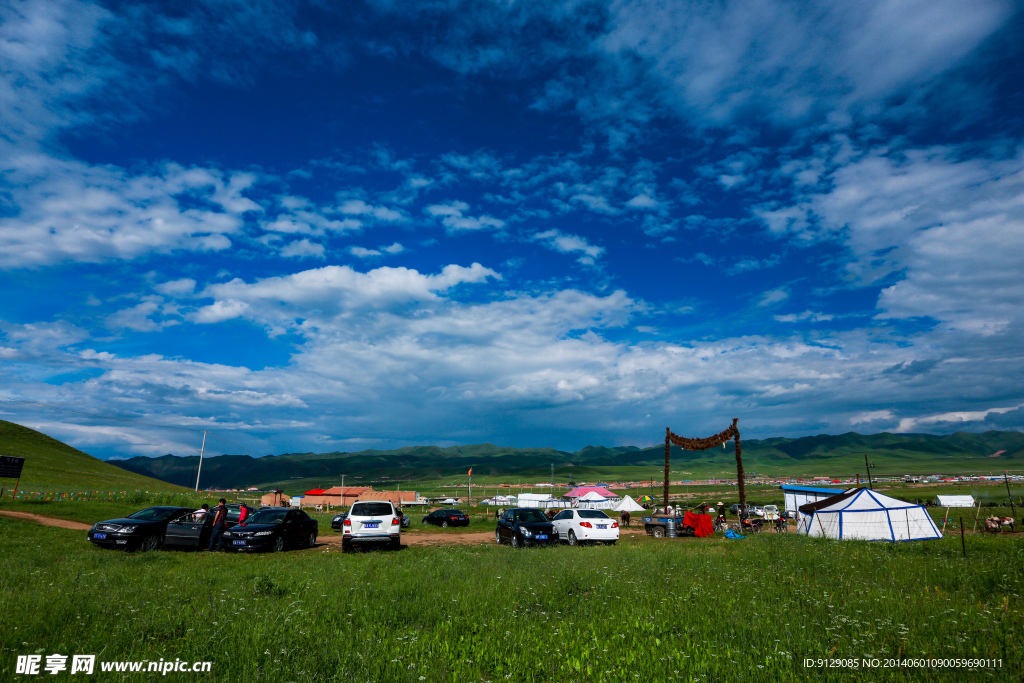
x: 48, y: 521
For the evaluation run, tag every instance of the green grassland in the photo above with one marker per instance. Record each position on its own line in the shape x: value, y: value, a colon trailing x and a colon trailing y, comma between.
x: 53, y: 466
x: 646, y: 610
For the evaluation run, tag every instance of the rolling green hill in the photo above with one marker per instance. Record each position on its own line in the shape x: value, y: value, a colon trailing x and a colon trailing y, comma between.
x: 822, y: 455
x: 53, y: 466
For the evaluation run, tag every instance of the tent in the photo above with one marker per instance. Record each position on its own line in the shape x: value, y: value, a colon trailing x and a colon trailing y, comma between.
x: 955, y: 501
x: 581, y: 491
x: 540, y: 500
x: 866, y: 515
x: 594, y: 501
x: 627, y: 504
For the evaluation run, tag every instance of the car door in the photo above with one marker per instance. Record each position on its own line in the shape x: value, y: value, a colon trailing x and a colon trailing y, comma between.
x: 561, y: 522
x: 505, y: 526
x: 186, y: 531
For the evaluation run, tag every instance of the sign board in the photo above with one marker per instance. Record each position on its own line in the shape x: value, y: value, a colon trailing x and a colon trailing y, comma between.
x: 10, y: 466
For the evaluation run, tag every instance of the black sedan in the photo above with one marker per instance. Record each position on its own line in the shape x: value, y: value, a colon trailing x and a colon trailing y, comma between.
x: 338, y: 520
x: 525, y: 526
x: 142, y: 530
x: 447, y: 517
x: 273, y: 529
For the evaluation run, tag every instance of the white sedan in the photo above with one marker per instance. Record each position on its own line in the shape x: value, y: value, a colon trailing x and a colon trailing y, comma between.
x: 585, y: 526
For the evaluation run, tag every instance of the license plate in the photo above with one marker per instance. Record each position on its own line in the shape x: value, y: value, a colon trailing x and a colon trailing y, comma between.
x: 100, y: 536
x: 372, y: 525
x: 237, y: 542
x: 542, y: 537
x: 602, y: 526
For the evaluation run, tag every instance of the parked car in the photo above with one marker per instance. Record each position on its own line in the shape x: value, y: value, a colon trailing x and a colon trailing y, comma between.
x: 406, y: 521
x: 771, y: 513
x: 338, y: 520
x: 273, y: 529
x: 371, y: 522
x: 525, y: 526
x: 447, y: 517
x: 585, y: 526
x: 142, y: 530
x: 193, y: 530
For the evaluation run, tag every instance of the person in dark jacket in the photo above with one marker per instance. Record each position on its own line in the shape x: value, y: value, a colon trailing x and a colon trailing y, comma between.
x: 220, y: 523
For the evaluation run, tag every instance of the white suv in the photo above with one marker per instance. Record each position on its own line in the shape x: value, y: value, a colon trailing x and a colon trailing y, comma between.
x: 372, y: 521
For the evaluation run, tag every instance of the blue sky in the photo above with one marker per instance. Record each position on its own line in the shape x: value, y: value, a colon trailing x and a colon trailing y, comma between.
x: 335, y: 226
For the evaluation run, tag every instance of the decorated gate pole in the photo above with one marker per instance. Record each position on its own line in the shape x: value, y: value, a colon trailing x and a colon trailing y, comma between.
x: 668, y: 434
x: 719, y: 439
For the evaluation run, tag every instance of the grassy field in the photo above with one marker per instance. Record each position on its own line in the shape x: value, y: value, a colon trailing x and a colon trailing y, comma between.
x: 645, y: 610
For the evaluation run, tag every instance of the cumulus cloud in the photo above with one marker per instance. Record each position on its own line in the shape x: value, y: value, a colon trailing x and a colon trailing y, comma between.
x: 952, y: 228
x: 452, y: 216
x: 303, y: 249
x: 809, y: 316
x: 569, y: 244
x: 67, y: 210
x: 332, y: 290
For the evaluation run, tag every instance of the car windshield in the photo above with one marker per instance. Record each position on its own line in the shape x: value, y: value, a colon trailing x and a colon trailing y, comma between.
x: 530, y: 516
x: 157, y: 514
x: 592, y: 514
x: 370, y: 509
x: 267, y: 517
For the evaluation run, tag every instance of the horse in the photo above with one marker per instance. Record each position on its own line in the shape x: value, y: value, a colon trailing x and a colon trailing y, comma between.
x: 995, y: 524
x: 625, y: 517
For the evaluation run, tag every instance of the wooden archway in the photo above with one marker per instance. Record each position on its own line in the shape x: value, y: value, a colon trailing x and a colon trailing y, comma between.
x: 687, y: 444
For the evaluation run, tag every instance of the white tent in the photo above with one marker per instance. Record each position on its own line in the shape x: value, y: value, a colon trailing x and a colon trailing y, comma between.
x: 594, y: 501
x: 627, y: 504
x: 866, y: 515
x: 955, y: 501
x: 540, y: 500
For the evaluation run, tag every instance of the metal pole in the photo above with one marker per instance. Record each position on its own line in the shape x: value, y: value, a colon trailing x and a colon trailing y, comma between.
x: 665, y: 492
x: 868, y: 468
x: 200, y: 472
x: 962, y: 541
x: 1006, y: 478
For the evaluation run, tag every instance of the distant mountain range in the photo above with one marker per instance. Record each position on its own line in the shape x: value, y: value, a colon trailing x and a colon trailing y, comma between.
x: 823, y: 455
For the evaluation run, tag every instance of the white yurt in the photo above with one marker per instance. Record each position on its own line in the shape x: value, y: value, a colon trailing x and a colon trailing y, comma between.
x: 627, y: 504
x: 594, y: 501
x: 866, y: 515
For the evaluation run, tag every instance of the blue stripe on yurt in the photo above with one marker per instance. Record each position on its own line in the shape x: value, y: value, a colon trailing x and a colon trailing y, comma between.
x: 840, y: 526
x: 892, y: 534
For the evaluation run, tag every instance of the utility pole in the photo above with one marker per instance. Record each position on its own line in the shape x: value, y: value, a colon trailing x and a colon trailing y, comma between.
x: 552, y: 474
x: 1006, y: 478
x: 868, y: 466
x: 201, y: 451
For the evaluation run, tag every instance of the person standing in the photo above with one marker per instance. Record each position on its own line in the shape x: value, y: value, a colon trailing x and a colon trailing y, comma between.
x: 625, y: 517
x: 220, y: 523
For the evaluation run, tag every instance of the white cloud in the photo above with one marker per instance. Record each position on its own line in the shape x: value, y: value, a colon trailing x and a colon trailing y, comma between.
x: 71, y: 211
x: 453, y: 218
x: 773, y: 296
x: 363, y: 252
x: 303, y: 249
x: 569, y: 244
x: 182, y: 287
x: 911, y: 424
x: 330, y: 291
x: 358, y: 207
x: 953, y: 229
x: 806, y: 315
x: 140, y: 317
x: 718, y: 61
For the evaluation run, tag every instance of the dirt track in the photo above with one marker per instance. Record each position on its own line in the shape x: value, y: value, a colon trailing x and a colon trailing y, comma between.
x: 48, y: 521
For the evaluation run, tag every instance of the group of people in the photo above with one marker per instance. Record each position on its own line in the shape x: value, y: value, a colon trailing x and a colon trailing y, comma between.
x: 220, y: 521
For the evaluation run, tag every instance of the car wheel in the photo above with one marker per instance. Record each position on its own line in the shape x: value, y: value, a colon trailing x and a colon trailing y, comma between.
x: 444, y: 525
x: 497, y: 537
x: 659, y: 532
x: 572, y: 538
x: 150, y: 542
x: 516, y: 543
x: 279, y: 544
x: 396, y: 543
x: 312, y: 541
x: 346, y: 546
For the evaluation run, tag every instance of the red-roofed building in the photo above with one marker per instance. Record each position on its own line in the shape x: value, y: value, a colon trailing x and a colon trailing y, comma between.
x: 581, y: 491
